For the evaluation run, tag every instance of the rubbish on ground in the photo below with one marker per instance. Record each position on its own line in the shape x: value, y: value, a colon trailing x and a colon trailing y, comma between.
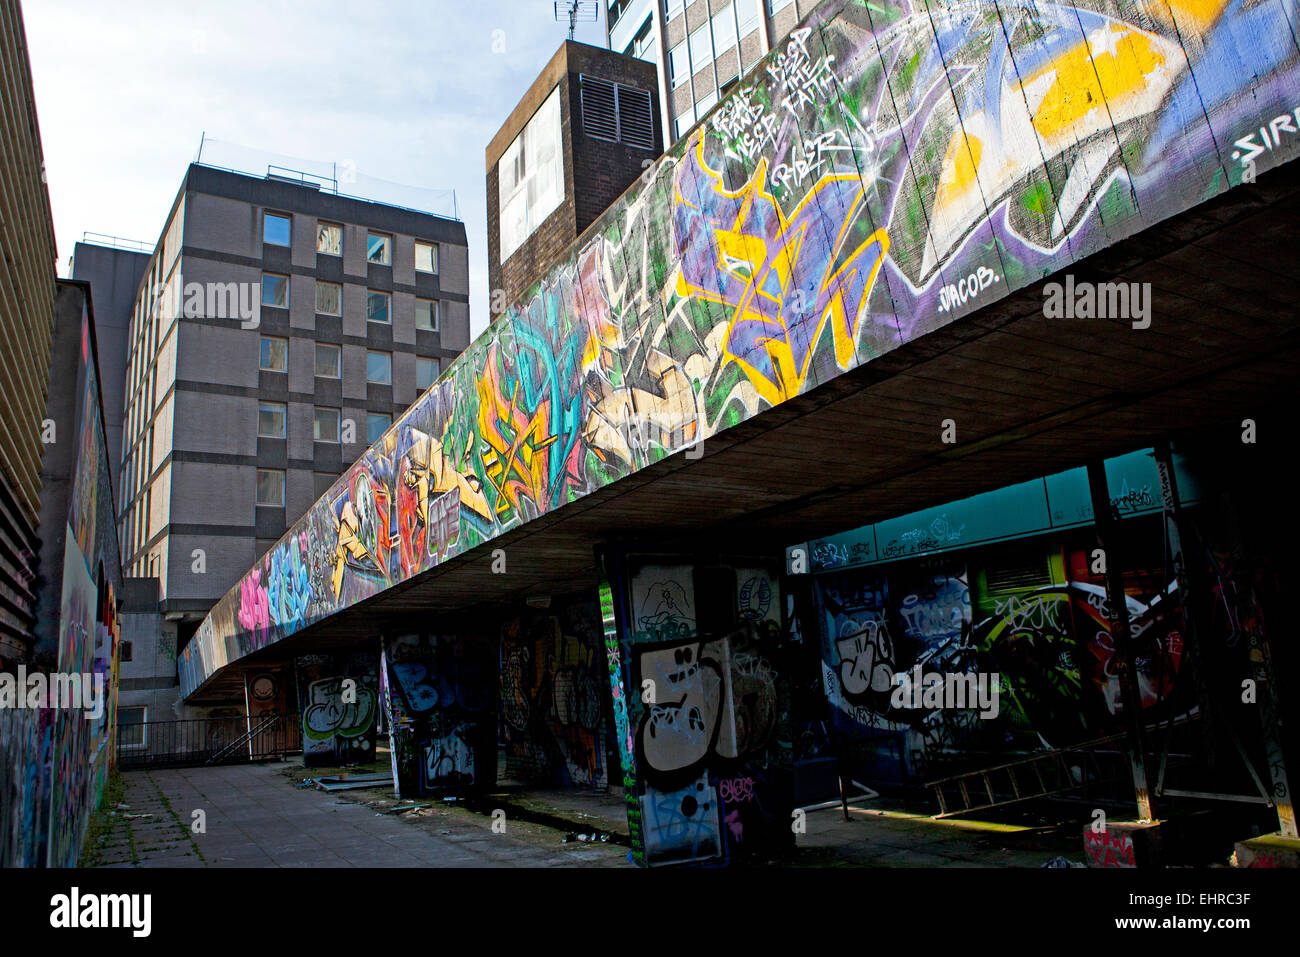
x: 350, y: 782
x: 1062, y: 862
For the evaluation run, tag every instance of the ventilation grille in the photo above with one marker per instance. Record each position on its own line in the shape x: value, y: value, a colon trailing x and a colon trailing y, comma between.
x: 636, y: 118
x: 599, y: 109
x: 1015, y: 573
x: 617, y: 113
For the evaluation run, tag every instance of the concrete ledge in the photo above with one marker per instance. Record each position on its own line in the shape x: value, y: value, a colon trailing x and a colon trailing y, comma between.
x: 1271, y: 850
x: 1124, y: 844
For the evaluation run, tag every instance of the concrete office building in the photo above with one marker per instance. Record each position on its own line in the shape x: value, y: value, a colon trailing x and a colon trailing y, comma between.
x: 279, y: 330
x: 700, y: 47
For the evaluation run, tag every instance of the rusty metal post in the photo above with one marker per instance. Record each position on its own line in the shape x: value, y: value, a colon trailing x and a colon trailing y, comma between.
x: 1121, y: 636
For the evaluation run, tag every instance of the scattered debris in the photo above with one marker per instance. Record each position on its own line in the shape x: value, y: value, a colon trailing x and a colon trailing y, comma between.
x: 1062, y: 862
x: 595, y: 838
x: 402, y: 808
x: 346, y: 782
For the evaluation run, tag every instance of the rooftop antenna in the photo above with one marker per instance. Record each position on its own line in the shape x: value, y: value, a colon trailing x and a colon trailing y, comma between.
x: 578, y: 11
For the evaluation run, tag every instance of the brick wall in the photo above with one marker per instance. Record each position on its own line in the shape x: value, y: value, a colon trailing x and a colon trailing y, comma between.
x: 596, y: 172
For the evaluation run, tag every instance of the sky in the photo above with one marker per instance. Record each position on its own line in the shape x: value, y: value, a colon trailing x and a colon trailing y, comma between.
x: 407, y: 91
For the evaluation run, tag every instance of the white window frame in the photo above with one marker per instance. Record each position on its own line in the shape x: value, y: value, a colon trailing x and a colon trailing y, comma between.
x: 338, y: 366
x: 433, y: 248
x: 379, y: 352
x: 388, y: 309
x: 267, y: 214
x: 324, y: 224
x: 336, y: 285
x: 435, y: 313
x: 338, y: 424
x: 275, y: 275
x: 388, y: 249
x: 143, y: 744
x: 284, y: 419
x: 256, y: 486
x: 389, y: 425
x: 262, y: 368
x: 436, y: 372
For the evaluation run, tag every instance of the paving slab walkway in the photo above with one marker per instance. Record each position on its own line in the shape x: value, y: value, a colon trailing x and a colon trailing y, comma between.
x: 256, y: 816
x: 253, y: 816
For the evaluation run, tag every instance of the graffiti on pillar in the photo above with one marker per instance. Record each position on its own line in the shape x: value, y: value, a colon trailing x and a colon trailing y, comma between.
x: 756, y: 595
x: 877, y: 627
x: 441, y: 698
x: 554, y: 681
x: 340, y: 707
x: 448, y: 754
x: 886, y: 170
x: 684, y: 824
x: 704, y: 710
x: 663, y: 601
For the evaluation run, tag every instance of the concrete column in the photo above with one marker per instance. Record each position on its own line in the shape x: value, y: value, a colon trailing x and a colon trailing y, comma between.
x: 1117, y: 608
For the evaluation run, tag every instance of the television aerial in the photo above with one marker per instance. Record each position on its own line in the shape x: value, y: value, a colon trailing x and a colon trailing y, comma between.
x: 577, y: 11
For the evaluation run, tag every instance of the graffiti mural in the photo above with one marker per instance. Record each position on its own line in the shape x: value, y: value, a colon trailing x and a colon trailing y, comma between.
x: 553, y: 696
x: 876, y: 627
x: 887, y: 169
x: 339, y: 697
x: 440, y: 692
x: 55, y: 760
x: 1050, y: 646
x: 710, y: 750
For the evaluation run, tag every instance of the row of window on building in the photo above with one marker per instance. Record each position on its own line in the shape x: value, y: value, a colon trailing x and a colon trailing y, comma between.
x: 705, y: 45
x: 329, y: 302
x: 328, y: 363
x: 271, y: 482
x: 277, y: 230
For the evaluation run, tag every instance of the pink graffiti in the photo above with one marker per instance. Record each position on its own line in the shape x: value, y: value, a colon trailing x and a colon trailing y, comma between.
x: 736, y: 790
x: 1109, y: 848
x: 735, y: 825
x: 254, y: 606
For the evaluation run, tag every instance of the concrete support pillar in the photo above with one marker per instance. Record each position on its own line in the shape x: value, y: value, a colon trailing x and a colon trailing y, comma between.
x: 700, y: 686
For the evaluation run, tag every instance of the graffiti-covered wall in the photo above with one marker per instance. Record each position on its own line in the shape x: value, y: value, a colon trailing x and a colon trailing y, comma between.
x: 440, y: 692
x: 888, y: 168
x: 1031, y: 617
x: 58, y: 711
x: 556, y: 721
x: 339, y: 699
x: 703, y: 678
